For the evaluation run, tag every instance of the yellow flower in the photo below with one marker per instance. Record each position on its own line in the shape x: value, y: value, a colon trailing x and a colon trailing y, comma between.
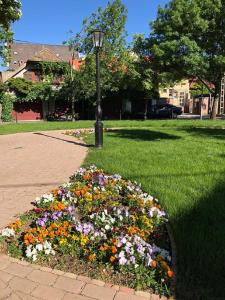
x: 83, y: 240
x: 63, y: 242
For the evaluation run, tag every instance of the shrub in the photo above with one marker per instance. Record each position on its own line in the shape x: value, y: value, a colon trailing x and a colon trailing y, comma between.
x: 7, y: 107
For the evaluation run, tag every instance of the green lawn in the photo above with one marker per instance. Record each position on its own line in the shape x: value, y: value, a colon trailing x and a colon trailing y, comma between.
x: 183, y: 165
x: 42, y: 126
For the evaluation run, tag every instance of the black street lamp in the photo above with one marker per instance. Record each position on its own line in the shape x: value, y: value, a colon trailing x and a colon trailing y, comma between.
x: 98, y: 36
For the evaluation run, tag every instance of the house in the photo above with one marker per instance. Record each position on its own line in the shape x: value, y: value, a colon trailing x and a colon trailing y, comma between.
x: 178, y: 95
x: 23, y: 64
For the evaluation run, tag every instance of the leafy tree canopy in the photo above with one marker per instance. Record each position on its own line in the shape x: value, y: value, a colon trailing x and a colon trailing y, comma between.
x: 114, y: 56
x: 189, y: 41
x: 10, y: 11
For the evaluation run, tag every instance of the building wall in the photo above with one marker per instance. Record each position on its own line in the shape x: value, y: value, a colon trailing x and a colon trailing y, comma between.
x: 178, y: 94
x: 27, y: 111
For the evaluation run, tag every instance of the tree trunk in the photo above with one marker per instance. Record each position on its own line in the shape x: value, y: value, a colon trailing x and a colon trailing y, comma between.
x: 73, y: 109
x: 215, y: 107
x: 146, y: 109
x: 216, y: 99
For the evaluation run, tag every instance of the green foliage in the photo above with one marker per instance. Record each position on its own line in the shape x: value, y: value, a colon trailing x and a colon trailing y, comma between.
x: 114, y: 56
x: 7, y: 108
x: 198, y: 89
x: 10, y: 11
x: 41, y: 91
x: 189, y: 39
x: 20, y: 86
x: 49, y: 68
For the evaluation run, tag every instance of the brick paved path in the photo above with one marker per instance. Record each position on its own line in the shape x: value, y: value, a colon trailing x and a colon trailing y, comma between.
x: 30, y: 165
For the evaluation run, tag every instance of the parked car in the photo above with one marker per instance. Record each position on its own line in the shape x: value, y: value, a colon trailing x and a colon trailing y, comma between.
x: 164, y: 111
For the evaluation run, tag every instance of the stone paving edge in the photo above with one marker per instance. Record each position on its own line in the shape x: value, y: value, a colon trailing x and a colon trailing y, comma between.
x: 117, y: 292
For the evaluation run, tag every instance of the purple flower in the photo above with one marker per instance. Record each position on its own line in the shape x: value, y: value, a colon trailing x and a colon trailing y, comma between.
x: 101, y: 179
x: 122, y: 258
x: 41, y: 221
x: 133, y: 259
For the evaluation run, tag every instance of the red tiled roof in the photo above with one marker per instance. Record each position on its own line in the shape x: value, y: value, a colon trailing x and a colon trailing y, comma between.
x: 21, y: 52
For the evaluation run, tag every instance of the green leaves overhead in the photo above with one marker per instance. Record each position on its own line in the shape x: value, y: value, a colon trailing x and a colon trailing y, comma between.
x: 10, y: 11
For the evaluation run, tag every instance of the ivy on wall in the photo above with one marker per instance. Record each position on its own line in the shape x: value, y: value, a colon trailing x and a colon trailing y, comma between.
x: 7, y: 107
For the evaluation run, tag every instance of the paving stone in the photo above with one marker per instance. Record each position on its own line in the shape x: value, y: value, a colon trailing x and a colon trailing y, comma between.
x: 98, y: 282
x: 22, y: 285
x: 58, y: 272
x: 155, y: 297
x: 45, y: 269
x: 84, y: 278
x: 4, y: 262
x: 18, y: 270
x: 20, y: 296
x: 126, y: 290
x: 142, y: 294
x: 98, y: 292
x: 48, y: 293
x: 4, y: 292
x: 70, y: 275
x: 42, y: 277
x: 126, y: 296
x: 5, y: 277
x: 69, y: 296
x: 69, y: 284
x: 42, y: 171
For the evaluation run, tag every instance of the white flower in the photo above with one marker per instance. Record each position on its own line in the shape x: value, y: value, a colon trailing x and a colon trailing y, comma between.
x: 34, y: 257
x: 29, y: 251
x: 121, y: 218
x: 8, y: 232
x: 107, y: 227
x: 39, y: 247
x: 47, y: 251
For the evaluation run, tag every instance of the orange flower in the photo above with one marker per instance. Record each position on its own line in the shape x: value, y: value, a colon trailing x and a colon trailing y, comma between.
x: 170, y: 273
x: 86, y: 177
x: 154, y: 264
x: 114, y: 249
x: 55, y: 192
x: 91, y: 257
x: 77, y: 193
x: 112, y: 259
x: 102, y: 248
x: 115, y: 243
x: 132, y: 230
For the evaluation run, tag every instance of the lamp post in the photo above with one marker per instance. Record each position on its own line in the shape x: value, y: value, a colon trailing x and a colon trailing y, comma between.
x: 98, y: 36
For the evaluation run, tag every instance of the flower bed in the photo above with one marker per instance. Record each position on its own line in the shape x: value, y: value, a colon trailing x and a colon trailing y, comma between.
x: 98, y: 225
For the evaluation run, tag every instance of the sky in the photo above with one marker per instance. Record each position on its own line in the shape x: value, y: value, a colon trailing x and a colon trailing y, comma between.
x: 49, y: 21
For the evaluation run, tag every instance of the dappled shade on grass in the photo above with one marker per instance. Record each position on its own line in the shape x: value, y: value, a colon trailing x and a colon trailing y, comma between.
x: 142, y: 134
x: 200, y: 244
x: 216, y: 133
x: 187, y: 175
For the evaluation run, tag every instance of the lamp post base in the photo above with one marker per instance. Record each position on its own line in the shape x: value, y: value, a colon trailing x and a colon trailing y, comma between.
x: 98, y: 134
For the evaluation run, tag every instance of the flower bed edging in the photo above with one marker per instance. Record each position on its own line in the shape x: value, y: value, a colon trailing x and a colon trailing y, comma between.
x: 112, y: 222
x: 87, y: 280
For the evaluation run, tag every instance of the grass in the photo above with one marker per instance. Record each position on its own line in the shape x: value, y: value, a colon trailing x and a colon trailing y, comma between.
x: 43, y: 126
x: 183, y: 165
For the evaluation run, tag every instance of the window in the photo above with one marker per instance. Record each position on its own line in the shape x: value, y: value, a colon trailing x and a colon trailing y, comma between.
x: 170, y: 92
x: 182, y: 98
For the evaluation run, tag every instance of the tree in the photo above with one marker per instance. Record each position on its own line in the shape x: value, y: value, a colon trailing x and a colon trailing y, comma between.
x: 189, y: 41
x: 113, y: 54
x: 10, y: 11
